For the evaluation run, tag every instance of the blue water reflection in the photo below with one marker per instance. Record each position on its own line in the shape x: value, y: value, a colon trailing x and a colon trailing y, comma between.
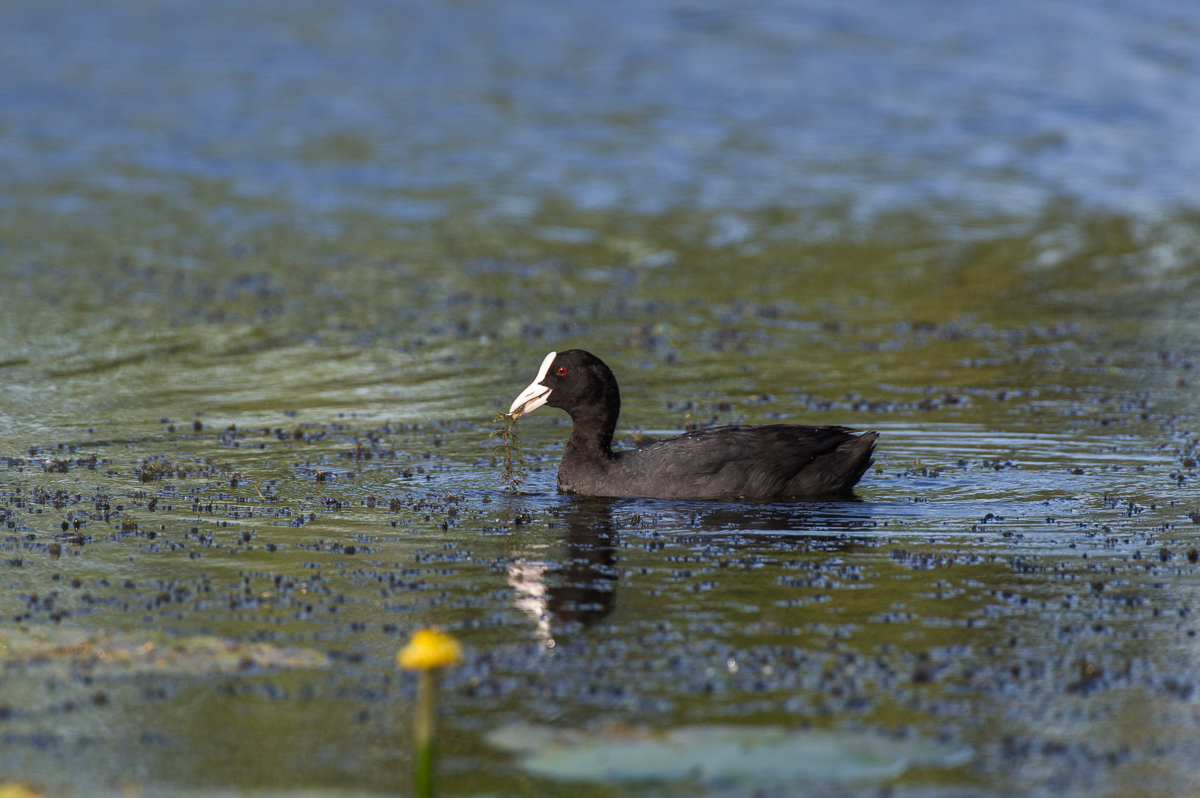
x: 416, y: 109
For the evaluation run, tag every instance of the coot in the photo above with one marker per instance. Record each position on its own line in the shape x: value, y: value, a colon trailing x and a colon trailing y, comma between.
x: 772, y: 462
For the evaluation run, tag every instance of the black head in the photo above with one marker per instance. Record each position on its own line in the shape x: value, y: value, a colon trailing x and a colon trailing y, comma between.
x: 576, y: 381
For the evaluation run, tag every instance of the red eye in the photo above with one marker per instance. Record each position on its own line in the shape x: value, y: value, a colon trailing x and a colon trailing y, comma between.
x: 561, y: 371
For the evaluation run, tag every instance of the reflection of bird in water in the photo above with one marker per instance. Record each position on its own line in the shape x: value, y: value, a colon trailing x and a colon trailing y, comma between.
x: 827, y: 525
x: 817, y: 519
x: 779, y: 462
x: 528, y: 579
x: 580, y: 589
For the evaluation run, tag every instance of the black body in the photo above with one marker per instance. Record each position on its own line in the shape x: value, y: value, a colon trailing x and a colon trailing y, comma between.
x: 777, y: 462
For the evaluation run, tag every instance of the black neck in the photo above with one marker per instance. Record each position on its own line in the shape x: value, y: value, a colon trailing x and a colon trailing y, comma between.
x: 592, y: 435
x: 594, y: 422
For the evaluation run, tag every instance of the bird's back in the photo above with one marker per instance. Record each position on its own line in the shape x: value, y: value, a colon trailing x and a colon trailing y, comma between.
x: 776, y: 461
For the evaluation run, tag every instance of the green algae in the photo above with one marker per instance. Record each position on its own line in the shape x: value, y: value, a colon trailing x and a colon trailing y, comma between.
x: 98, y: 653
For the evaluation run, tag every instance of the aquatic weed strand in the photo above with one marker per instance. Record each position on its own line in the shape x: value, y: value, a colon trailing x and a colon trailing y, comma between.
x: 509, y: 447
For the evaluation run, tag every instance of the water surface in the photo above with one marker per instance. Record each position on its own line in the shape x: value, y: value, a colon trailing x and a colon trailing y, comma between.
x: 269, y: 271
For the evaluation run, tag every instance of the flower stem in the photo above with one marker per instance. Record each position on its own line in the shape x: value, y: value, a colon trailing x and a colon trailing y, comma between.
x: 423, y: 736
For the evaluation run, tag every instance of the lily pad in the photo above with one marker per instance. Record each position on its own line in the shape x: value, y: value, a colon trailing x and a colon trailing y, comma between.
x: 102, y: 653
x: 751, y: 755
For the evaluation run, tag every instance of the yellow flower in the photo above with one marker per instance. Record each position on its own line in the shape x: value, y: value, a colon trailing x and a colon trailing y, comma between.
x: 429, y: 648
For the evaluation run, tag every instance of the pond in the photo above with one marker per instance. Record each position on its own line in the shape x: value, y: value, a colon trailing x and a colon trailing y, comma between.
x: 270, y: 272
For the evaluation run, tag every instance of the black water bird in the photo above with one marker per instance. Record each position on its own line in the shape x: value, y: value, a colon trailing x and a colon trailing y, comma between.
x: 776, y: 462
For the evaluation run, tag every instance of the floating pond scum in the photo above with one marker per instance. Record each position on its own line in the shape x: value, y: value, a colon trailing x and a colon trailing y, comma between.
x: 55, y: 651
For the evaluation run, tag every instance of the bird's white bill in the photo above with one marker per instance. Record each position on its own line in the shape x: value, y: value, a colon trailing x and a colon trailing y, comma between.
x: 530, y: 399
x: 536, y: 394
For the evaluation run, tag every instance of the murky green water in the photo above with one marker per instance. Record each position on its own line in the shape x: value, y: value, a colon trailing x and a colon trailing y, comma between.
x: 264, y: 290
